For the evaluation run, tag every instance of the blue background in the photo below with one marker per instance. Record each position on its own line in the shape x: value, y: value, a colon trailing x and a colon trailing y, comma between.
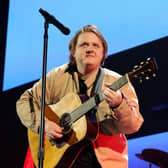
x: 125, y: 24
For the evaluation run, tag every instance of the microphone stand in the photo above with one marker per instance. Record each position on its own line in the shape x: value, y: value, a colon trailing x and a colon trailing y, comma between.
x: 42, y: 119
x: 48, y: 19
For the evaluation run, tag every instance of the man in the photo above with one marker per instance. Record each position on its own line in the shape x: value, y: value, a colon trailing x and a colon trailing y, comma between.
x: 118, y: 114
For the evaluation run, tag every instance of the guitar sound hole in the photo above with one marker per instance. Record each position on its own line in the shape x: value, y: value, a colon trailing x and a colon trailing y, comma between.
x: 65, y: 122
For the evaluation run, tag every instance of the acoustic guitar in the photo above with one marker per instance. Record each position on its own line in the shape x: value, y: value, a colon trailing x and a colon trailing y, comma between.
x: 76, y: 119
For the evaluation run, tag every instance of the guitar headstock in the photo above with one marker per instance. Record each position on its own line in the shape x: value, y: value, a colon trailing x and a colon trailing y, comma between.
x: 144, y: 71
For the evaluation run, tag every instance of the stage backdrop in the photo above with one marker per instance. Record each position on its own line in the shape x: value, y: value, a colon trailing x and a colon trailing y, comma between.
x: 125, y: 24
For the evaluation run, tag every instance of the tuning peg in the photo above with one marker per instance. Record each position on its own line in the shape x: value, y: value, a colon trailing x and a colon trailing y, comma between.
x: 140, y: 80
x: 141, y: 63
x: 136, y: 66
x: 142, y: 73
x: 154, y: 75
x: 149, y: 58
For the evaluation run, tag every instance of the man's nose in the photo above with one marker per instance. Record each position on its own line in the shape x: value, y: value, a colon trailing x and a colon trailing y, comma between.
x: 89, y: 49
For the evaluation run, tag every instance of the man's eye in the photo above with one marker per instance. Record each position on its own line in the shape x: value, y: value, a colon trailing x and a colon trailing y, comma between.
x: 84, y: 45
x: 96, y: 45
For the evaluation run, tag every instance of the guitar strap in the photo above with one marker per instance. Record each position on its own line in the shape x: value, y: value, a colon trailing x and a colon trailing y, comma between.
x: 97, y: 86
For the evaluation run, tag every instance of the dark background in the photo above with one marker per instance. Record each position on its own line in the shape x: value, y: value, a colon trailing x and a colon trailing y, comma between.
x: 152, y: 94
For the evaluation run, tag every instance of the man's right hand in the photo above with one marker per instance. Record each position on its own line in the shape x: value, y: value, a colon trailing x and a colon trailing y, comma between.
x: 52, y: 130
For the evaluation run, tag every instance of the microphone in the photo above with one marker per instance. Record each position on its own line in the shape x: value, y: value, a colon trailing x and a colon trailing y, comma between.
x: 51, y: 19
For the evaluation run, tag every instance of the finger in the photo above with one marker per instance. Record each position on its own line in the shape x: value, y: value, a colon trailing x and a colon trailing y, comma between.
x: 58, y: 129
x: 57, y: 134
x: 49, y: 136
x: 53, y: 135
x: 109, y: 93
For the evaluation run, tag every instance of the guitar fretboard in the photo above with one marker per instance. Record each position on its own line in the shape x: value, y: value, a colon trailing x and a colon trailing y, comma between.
x: 86, y: 106
x: 95, y: 100
x: 119, y: 83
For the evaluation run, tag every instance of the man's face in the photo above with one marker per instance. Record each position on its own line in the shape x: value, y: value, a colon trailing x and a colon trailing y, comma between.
x: 88, y: 52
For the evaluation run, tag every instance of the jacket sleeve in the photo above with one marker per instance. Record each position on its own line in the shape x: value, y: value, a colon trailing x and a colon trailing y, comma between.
x: 28, y: 108
x: 28, y: 105
x: 127, y: 117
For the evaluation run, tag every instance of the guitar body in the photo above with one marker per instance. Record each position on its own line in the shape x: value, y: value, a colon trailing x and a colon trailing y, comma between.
x: 64, y: 150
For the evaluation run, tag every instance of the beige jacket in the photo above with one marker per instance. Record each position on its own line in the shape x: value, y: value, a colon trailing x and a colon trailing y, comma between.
x: 111, y: 145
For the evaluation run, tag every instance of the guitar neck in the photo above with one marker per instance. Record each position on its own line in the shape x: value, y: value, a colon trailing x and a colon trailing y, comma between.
x: 96, y: 99
x: 119, y: 83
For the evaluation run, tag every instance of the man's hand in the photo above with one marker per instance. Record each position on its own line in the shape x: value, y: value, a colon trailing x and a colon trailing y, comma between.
x: 52, y: 130
x: 113, y: 98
